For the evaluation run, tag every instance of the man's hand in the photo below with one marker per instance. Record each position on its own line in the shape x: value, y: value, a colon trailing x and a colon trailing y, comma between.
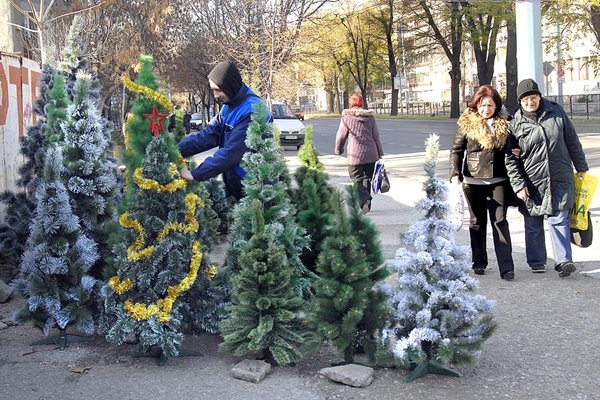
x: 186, y: 174
x: 580, y: 175
x: 523, y: 194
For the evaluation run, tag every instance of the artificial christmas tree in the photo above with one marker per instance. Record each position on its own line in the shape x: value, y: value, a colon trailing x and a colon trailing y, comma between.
x: 264, y: 315
x: 345, y: 292
x: 148, y: 112
x: 90, y: 174
x: 20, y: 207
x: 436, y: 318
x: 313, y: 197
x: 162, y: 261
x: 54, y: 268
x: 264, y: 167
x: 161, y: 256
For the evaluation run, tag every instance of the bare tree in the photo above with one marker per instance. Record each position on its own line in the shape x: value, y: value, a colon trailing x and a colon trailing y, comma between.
x: 447, y: 17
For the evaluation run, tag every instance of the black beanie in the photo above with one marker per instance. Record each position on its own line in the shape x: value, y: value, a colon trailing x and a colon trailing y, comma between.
x: 227, y: 77
x: 527, y: 87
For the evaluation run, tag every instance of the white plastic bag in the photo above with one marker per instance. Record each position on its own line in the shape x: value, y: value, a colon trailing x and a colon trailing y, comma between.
x: 456, y: 200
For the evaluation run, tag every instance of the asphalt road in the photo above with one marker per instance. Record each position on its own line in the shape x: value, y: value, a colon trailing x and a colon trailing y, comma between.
x: 400, y: 136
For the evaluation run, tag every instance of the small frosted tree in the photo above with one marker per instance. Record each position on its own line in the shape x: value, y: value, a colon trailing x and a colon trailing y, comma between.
x: 436, y: 318
x: 54, y: 268
x: 265, y: 167
x: 264, y: 315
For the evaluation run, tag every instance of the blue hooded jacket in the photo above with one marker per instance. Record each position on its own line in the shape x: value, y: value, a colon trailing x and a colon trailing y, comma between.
x: 227, y: 131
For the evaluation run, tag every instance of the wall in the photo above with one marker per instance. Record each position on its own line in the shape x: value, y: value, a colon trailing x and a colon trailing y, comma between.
x: 19, y: 86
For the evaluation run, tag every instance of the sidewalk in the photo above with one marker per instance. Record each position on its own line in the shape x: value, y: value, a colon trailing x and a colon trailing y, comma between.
x: 546, y: 345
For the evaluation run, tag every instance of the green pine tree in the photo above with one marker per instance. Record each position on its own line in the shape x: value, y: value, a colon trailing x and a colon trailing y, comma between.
x: 344, y: 292
x: 367, y: 235
x: 264, y: 315
x: 265, y: 167
x: 313, y: 197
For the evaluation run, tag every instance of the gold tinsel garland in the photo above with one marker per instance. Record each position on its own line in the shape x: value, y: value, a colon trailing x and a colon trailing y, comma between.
x: 136, y: 251
x: 191, y: 200
x: 149, y: 93
x: 162, y: 308
x: 150, y: 184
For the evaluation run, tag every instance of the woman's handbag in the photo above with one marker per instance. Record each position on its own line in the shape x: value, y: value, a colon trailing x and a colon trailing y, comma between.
x: 380, y: 181
x: 584, y: 192
x: 583, y: 238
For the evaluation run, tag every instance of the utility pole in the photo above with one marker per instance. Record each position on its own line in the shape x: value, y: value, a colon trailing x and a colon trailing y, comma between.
x: 560, y: 72
x: 529, y: 40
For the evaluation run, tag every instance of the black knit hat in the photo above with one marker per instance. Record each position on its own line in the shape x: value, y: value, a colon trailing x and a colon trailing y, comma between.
x: 527, y: 87
x: 227, y: 77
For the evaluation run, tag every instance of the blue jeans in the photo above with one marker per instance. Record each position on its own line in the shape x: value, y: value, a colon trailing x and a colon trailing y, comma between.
x: 535, y: 244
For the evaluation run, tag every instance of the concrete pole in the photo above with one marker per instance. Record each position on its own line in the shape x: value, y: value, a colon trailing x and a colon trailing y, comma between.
x: 529, y: 40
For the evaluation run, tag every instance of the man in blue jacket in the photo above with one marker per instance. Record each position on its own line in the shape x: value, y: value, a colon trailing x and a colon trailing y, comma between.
x: 227, y: 131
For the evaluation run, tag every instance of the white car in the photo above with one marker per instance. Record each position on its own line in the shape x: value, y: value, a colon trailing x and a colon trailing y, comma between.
x: 290, y: 127
x: 196, y: 121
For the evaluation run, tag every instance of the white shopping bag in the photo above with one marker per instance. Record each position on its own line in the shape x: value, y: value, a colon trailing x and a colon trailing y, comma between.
x: 456, y: 200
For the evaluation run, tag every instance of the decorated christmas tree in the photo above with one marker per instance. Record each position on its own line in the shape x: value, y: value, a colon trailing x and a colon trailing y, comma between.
x: 149, y: 111
x: 313, y: 197
x: 160, y: 260
x: 91, y: 176
x: 437, y: 320
x: 54, y: 268
x: 345, y: 292
x: 264, y: 315
x: 265, y: 166
x: 162, y: 253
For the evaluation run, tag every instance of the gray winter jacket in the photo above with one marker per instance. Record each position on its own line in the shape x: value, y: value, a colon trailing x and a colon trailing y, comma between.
x: 358, y: 126
x: 549, y: 150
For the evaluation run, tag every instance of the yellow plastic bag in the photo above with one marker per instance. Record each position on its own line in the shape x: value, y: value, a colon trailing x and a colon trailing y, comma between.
x: 584, y: 192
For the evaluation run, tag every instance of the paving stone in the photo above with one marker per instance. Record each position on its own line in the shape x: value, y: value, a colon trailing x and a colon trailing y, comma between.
x: 350, y: 374
x: 251, y: 370
x: 5, y: 292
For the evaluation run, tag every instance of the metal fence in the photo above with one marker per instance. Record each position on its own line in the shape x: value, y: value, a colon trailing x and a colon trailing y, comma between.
x: 417, y: 108
x: 580, y: 106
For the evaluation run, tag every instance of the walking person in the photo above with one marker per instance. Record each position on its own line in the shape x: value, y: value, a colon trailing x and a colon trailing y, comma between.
x: 359, y: 129
x: 227, y: 131
x: 477, y: 160
x: 541, y: 174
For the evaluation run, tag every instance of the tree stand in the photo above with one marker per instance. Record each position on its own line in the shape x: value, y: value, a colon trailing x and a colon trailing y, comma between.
x: 431, y: 367
x: 63, y: 339
x: 162, y: 359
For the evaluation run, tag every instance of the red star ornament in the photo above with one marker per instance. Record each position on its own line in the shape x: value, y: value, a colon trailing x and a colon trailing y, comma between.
x: 156, y: 119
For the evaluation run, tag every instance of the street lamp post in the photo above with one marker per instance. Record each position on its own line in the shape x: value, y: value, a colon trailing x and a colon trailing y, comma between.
x: 529, y: 43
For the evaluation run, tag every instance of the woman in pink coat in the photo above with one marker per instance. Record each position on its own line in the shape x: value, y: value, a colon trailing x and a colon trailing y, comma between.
x: 358, y: 127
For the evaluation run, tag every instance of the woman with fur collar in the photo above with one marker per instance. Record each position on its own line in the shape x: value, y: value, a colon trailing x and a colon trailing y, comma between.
x: 477, y: 160
x: 358, y: 127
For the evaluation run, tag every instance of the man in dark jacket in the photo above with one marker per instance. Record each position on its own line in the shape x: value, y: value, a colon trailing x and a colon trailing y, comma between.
x: 227, y: 131
x: 542, y: 174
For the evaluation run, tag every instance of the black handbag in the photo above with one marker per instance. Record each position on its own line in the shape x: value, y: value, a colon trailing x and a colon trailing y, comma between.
x: 385, y: 182
x: 583, y: 238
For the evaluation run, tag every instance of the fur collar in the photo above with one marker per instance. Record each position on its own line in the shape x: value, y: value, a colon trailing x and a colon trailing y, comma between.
x: 358, y: 112
x: 474, y: 127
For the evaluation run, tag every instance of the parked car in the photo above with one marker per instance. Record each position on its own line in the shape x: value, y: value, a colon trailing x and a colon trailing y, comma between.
x: 196, y: 121
x: 298, y: 112
x: 290, y: 127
